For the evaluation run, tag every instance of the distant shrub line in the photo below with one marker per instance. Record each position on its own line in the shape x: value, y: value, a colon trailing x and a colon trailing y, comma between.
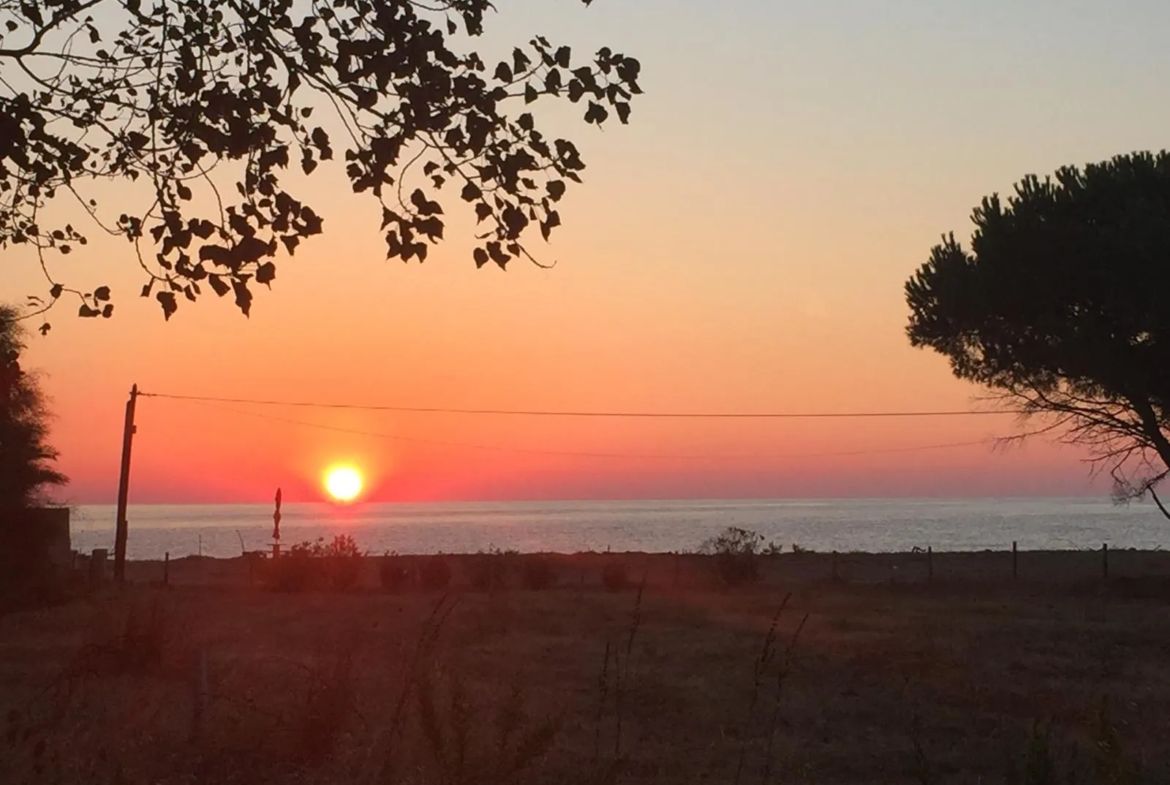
x: 731, y: 559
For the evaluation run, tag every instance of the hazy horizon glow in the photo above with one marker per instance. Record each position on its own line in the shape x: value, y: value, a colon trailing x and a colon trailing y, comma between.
x: 742, y: 245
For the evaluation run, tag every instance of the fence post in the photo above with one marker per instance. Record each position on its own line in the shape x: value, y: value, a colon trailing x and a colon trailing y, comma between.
x: 167, y: 568
x: 929, y: 564
x: 1015, y: 562
x: 1105, y: 561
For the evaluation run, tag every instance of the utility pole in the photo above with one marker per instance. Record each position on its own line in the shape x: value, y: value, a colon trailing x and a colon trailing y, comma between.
x: 124, y: 489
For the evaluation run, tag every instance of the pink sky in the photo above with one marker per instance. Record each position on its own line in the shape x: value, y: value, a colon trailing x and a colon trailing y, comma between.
x: 741, y: 246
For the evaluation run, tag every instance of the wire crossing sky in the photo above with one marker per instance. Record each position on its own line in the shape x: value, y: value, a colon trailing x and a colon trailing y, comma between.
x: 613, y: 414
x: 990, y: 441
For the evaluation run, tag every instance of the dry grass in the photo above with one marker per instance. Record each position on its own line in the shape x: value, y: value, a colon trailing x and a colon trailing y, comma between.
x: 898, y: 684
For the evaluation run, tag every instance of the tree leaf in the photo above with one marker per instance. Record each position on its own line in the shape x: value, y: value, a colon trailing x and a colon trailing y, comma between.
x: 218, y: 285
x: 168, y: 302
x: 243, y: 296
x: 266, y: 273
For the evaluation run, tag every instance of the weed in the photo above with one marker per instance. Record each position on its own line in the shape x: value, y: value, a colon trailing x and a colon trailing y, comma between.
x: 782, y: 673
x: 762, y: 662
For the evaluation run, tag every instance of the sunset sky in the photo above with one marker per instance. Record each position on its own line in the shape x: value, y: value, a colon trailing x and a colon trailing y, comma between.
x: 741, y: 246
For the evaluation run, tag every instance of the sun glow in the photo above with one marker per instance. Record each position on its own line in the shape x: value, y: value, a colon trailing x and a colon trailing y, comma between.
x: 343, y: 483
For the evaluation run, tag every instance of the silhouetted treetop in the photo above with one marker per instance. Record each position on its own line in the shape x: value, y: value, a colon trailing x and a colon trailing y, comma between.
x: 26, y: 459
x: 1060, y: 305
x: 166, y: 93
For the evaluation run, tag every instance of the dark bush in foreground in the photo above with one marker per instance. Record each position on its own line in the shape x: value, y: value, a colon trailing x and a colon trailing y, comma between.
x: 538, y: 573
x: 434, y: 573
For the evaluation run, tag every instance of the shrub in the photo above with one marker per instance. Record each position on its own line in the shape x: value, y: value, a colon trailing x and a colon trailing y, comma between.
x: 317, y: 565
x: 773, y: 548
x: 393, y: 573
x: 343, y: 562
x: 538, y: 573
x: 434, y: 573
x: 299, y: 569
x: 615, y: 577
x: 735, y: 553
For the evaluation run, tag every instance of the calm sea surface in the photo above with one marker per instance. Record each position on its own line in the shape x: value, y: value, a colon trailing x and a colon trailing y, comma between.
x: 831, y: 524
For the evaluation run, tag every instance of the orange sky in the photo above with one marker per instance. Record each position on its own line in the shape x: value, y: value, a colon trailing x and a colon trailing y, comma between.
x: 741, y: 246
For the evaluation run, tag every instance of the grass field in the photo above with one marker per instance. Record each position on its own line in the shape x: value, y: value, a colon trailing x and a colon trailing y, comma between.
x: 957, y: 682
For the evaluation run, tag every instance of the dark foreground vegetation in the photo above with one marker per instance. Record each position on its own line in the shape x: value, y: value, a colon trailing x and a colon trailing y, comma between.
x: 498, y: 667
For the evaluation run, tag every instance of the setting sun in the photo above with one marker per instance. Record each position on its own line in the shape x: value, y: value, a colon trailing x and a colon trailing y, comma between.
x: 343, y: 483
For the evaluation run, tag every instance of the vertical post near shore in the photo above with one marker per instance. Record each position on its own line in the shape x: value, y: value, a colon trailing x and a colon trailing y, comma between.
x: 929, y: 564
x: 124, y: 490
x: 276, y: 527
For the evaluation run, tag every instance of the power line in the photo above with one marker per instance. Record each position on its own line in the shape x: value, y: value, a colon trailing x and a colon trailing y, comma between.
x: 612, y: 414
x: 573, y: 454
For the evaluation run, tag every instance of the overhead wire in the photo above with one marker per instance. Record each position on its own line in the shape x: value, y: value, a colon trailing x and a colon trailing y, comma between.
x: 576, y: 454
x: 582, y: 413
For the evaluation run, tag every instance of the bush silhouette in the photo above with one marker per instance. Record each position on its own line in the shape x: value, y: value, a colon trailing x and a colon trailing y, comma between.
x: 736, y: 555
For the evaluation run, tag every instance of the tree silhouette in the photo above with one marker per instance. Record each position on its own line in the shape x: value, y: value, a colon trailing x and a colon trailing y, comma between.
x: 208, y: 106
x: 1059, y: 307
x: 26, y: 473
x: 26, y: 460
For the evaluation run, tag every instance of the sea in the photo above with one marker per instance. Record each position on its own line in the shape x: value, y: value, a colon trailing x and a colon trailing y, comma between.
x: 873, y: 525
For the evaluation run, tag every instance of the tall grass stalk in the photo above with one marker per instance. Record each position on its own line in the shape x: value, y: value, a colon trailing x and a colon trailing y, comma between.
x: 763, y: 660
x: 777, y: 703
